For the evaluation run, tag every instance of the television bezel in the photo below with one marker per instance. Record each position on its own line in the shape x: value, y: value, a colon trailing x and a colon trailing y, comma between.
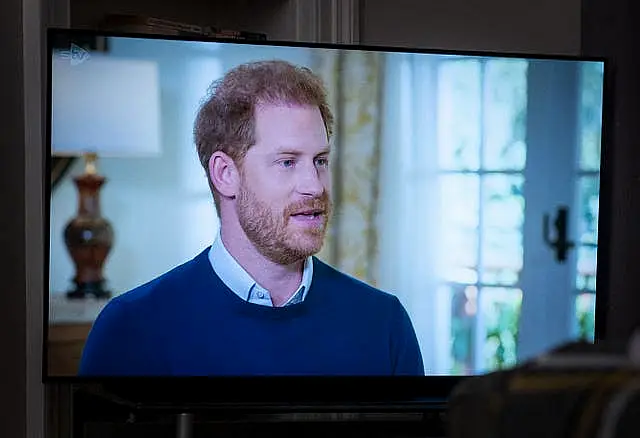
x: 297, y: 389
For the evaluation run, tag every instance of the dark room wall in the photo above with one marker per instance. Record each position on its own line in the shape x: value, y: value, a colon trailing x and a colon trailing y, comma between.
x: 21, y: 232
x: 547, y: 26
x: 610, y: 29
x: 12, y: 226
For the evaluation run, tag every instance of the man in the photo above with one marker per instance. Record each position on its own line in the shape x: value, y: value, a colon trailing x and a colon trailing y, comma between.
x: 257, y: 302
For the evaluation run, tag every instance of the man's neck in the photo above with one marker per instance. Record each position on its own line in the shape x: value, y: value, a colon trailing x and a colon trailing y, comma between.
x: 281, y: 281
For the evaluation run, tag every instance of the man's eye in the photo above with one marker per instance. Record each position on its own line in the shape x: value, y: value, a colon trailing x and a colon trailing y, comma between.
x: 322, y: 162
x: 287, y: 163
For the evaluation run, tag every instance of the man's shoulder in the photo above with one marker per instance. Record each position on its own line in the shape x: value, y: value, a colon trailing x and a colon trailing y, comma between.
x: 349, y: 287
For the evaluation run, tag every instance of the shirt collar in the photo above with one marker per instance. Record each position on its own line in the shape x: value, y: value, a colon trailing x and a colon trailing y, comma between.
x: 239, y: 281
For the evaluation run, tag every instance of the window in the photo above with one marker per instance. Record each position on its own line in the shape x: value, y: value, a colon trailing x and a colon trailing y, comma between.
x: 482, y: 154
x: 482, y: 150
x: 590, y: 130
x: 518, y: 106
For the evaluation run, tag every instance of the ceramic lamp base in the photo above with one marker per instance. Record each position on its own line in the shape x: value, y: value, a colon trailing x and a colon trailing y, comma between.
x: 84, y: 290
x: 89, y: 238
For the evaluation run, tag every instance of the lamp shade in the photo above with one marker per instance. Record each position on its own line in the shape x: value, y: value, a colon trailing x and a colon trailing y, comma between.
x: 105, y: 105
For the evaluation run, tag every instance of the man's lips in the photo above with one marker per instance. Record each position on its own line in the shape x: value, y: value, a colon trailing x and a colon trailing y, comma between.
x: 311, y: 212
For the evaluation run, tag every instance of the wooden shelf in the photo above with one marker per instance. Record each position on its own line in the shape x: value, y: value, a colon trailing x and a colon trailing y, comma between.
x: 65, y: 345
x: 281, y: 20
x: 276, y: 18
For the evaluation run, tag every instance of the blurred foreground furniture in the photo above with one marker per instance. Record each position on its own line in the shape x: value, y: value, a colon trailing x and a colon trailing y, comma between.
x: 577, y: 391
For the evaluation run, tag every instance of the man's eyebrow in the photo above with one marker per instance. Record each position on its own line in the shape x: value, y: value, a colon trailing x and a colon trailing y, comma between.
x: 324, y: 151
x: 289, y: 151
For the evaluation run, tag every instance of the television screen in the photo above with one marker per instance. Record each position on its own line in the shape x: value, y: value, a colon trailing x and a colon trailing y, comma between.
x: 229, y: 208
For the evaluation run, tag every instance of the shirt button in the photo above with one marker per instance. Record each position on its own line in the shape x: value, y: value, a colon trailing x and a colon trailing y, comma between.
x: 260, y: 294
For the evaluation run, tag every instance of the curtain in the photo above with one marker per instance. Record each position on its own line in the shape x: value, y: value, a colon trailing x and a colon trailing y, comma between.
x: 385, y: 229
x: 354, y: 82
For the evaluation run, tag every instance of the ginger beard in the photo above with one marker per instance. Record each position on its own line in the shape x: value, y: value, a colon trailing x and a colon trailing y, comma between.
x: 271, y: 231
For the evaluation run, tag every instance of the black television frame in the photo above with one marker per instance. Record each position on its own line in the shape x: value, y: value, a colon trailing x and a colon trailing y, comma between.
x: 271, y: 390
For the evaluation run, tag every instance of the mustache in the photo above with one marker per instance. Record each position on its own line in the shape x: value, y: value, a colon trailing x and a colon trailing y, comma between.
x: 321, y: 202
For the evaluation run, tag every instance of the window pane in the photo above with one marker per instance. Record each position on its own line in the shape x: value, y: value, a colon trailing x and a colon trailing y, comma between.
x: 589, y: 189
x: 502, y: 220
x: 460, y: 199
x: 459, y: 108
x: 459, y: 254
x: 454, y: 274
x: 591, y: 115
x: 502, y: 201
x: 587, y: 264
x: 505, y: 106
x: 500, y: 309
x: 459, y: 226
x: 464, y: 305
x: 586, y: 316
x: 501, y: 256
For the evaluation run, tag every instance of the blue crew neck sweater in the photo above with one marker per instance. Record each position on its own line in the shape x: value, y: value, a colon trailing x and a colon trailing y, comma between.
x: 187, y: 322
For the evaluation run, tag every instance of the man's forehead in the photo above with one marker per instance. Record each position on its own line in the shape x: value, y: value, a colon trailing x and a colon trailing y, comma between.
x: 292, y: 147
x: 300, y: 148
x: 282, y: 106
x: 292, y: 132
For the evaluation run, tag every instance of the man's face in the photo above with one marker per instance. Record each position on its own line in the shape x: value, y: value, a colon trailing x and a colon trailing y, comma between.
x: 284, y: 201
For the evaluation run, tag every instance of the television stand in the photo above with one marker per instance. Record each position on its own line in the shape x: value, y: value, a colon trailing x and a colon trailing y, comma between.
x: 184, y: 425
x: 102, y: 414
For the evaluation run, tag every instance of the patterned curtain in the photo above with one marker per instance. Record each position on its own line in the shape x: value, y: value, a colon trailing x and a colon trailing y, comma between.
x: 354, y: 81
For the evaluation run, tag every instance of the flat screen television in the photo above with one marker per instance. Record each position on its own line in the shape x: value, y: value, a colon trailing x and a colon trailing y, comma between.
x: 263, y: 215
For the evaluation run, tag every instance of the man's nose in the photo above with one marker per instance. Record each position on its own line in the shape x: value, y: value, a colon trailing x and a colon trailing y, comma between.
x: 310, y: 182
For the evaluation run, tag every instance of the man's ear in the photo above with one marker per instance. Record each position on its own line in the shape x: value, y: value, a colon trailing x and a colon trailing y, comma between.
x: 224, y: 174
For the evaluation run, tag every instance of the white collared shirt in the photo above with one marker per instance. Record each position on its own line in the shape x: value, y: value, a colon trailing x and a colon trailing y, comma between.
x: 242, y: 284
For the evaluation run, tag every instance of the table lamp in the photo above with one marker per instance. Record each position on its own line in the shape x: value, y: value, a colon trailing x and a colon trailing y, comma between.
x: 103, y: 106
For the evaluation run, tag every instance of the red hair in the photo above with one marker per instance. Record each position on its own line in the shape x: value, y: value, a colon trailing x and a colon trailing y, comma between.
x: 226, y: 122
